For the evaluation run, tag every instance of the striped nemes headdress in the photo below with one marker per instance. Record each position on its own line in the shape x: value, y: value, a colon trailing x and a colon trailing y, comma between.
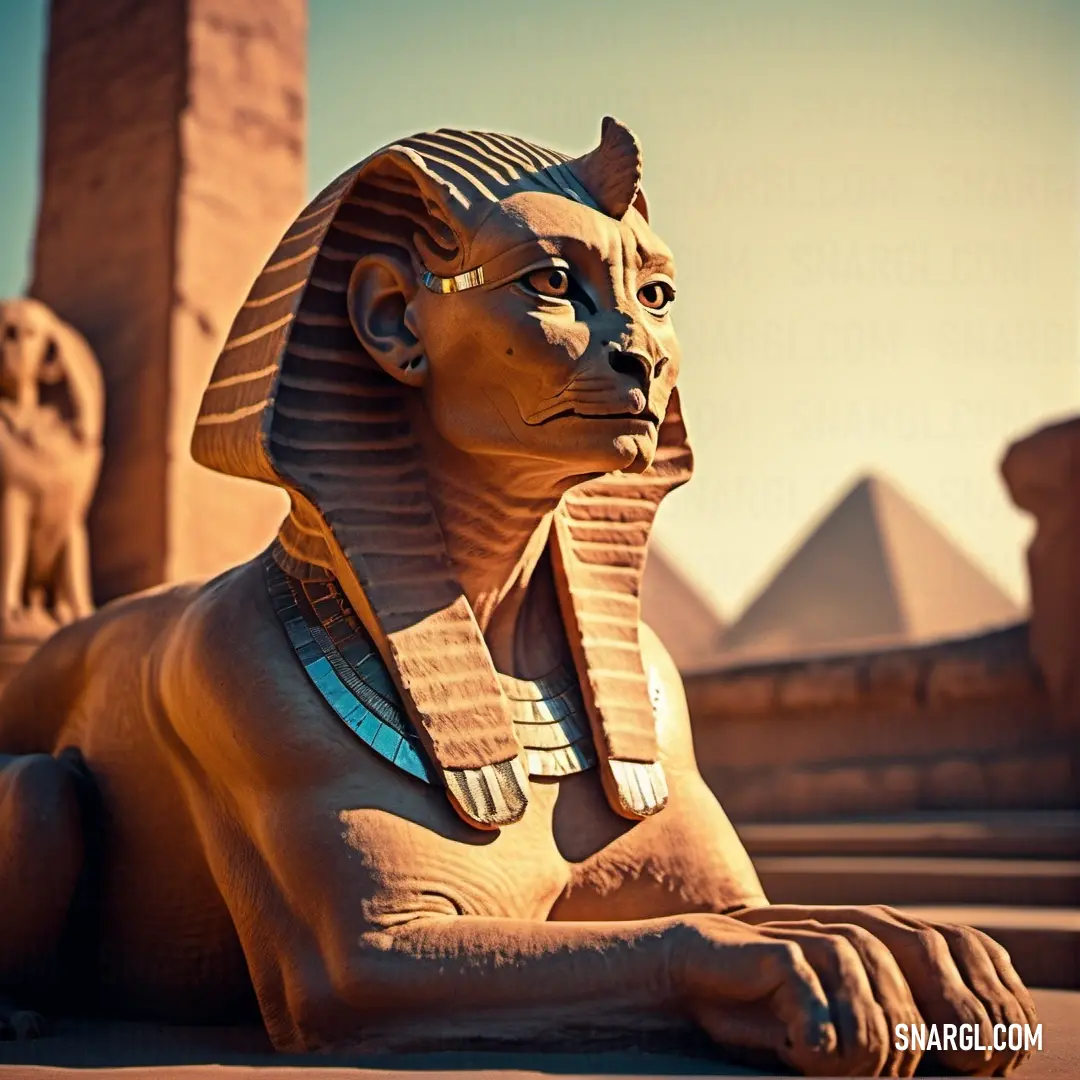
x: 296, y: 401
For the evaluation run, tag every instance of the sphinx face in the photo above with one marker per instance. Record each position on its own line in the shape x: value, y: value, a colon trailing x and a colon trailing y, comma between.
x: 566, y: 354
x: 25, y: 332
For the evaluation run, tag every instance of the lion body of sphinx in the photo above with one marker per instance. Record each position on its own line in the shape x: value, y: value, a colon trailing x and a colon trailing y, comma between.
x: 149, y: 683
x: 459, y: 363
x: 188, y: 718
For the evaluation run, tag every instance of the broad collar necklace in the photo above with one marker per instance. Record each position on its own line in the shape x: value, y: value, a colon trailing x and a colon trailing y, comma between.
x: 343, y: 664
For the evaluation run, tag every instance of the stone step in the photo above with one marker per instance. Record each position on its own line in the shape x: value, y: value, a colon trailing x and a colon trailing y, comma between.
x: 1035, y: 834
x: 1044, y: 943
x: 909, y: 879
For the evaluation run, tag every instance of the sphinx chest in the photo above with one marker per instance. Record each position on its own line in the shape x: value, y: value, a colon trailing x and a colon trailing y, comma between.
x: 341, y: 660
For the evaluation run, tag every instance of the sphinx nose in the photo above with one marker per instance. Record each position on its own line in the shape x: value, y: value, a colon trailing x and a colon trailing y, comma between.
x: 633, y: 363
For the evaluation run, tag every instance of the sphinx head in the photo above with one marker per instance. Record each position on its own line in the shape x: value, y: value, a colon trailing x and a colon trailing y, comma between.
x: 529, y: 304
x: 515, y: 304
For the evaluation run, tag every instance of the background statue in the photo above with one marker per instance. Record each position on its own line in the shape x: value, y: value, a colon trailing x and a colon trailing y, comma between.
x: 419, y: 776
x: 51, y: 415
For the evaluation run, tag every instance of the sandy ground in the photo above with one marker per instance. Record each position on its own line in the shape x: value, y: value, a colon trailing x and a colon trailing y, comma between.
x: 92, y: 1051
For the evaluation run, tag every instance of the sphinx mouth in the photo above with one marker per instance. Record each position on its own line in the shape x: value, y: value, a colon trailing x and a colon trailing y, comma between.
x: 648, y: 416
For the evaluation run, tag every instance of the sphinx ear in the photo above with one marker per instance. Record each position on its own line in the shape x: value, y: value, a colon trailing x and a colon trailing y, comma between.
x: 380, y: 290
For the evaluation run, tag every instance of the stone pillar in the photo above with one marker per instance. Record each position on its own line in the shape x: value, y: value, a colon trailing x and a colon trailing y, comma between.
x: 1042, y: 473
x: 173, y: 161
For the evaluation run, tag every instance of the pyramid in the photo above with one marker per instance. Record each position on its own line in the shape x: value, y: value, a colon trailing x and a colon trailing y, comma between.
x: 875, y: 572
x: 675, y: 609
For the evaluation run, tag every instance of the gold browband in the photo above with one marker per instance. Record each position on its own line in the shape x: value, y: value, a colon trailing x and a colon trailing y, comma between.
x: 532, y: 254
x: 469, y: 280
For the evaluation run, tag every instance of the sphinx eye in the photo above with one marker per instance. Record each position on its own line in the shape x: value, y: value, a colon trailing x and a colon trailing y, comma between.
x: 551, y: 281
x: 657, y: 296
x: 557, y: 283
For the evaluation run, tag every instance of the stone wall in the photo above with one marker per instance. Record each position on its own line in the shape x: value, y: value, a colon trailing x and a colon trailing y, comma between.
x: 173, y: 161
x: 959, y: 725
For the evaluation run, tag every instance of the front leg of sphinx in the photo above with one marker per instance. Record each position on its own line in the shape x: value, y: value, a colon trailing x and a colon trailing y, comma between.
x: 689, y: 859
x: 880, y: 968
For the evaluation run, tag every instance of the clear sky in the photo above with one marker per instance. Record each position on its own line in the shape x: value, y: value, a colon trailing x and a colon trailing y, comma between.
x: 875, y: 206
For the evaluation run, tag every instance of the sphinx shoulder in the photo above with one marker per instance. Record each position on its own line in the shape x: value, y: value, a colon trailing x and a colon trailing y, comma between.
x: 666, y: 691
x: 659, y: 664
x: 233, y: 693
x: 223, y: 645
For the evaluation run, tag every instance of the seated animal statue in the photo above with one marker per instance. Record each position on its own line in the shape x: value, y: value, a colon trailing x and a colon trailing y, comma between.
x: 51, y: 416
x: 418, y: 777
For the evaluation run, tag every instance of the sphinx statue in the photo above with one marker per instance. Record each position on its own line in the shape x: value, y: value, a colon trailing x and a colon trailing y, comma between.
x: 418, y: 777
x: 51, y: 415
